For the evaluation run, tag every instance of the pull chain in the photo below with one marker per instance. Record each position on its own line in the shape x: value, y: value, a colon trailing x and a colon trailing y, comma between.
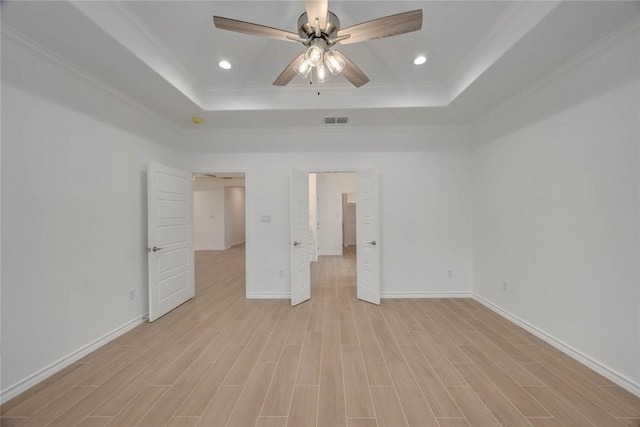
x: 317, y: 81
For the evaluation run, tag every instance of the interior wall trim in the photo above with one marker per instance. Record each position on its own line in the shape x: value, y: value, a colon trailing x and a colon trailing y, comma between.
x: 620, y: 35
x: 37, y: 50
x: 621, y: 380
x: 425, y: 294
x: 607, y: 372
x: 384, y: 295
x: 44, y: 373
x: 329, y: 253
x: 268, y: 295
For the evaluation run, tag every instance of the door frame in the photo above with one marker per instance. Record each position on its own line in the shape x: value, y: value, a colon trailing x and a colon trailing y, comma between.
x: 249, y: 279
x: 346, y: 170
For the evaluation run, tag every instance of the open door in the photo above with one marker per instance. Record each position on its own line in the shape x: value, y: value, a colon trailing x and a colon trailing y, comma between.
x: 367, y: 235
x: 170, y: 239
x: 299, y: 244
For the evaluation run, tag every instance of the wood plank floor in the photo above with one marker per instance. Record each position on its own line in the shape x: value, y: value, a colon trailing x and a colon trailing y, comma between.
x: 222, y: 360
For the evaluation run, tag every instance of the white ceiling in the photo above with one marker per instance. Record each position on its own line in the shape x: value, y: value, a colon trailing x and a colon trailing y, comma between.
x: 164, y: 55
x: 186, y: 29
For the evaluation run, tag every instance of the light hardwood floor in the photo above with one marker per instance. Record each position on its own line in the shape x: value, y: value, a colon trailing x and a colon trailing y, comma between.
x: 221, y: 360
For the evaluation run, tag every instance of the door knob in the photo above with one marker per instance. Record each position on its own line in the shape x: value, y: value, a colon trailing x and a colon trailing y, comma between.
x: 296, y: 243
x: 156, y: 249
x: 370, y: 242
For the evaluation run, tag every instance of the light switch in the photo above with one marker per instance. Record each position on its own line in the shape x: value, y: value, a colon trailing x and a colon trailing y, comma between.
x: 265, y: 218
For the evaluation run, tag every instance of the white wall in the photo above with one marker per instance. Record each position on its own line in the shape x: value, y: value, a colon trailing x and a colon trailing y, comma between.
x: 235, y: 215
x: 218, y: 213
x: 313, y: 217
x: 74, y: 214
x: 350, y: 216
x: 331, y: 186
x: 425, y: 204
x: 209, y: 231
x: 557, y: 216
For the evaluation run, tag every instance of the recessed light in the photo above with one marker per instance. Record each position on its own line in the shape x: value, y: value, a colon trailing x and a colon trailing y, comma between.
x: 420, y: 60
x: 225, y: 65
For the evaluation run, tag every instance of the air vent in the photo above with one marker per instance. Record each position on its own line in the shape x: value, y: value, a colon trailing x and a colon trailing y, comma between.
x: 336, y: 120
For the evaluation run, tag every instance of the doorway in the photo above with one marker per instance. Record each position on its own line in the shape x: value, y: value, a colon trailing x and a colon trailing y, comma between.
x: 219, y: 231
x: 367, y: 189
x: 334, y: 268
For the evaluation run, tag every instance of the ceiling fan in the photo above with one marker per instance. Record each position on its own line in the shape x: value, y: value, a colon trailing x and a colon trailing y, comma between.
x: 319, y: 30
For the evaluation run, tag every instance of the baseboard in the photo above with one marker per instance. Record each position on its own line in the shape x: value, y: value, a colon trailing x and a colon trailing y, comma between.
x: 329, y: 253
x: 409, y: 294
x: 269, y: 295
x: 600, y: 368
x: 28, y: 382
x: 427, y: 294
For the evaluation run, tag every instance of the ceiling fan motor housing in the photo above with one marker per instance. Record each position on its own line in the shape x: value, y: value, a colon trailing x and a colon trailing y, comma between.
x: 306, y: 30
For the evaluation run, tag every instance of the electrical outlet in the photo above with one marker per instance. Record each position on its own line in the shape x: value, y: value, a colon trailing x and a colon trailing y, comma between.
x: 504, y: 286
x: 450, y: 273
x: 132, y: 294
x: 281, y: 273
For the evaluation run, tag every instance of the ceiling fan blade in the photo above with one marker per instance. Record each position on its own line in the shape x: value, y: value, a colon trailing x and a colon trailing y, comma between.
x: 317, y: 9
x: 388, y: 26
x: 351, y: 71
x: 289, y: 73
x: 253, y: 29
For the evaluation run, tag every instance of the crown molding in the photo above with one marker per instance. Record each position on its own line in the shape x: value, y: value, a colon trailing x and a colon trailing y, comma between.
x: 618, y: 36
x: 333, y: 99
x: 144, y: 29
x: 328, y: 87
x: 125, y: 27
x: 31, y: 47
x: 518, y: 20
x: 122, y: 24
x: 494, y: 32
x: 331, y: 129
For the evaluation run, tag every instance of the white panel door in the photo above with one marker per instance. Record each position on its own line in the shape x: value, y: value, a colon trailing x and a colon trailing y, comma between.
x: 170, y: 239
x: 367, y: 235
x: 299, y: 244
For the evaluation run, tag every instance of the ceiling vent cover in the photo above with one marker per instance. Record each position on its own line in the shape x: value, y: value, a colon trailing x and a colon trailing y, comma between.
x: 336, y: 120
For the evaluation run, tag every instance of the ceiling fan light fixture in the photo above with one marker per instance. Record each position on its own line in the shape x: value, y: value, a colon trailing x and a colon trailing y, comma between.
x: 314, y: 56
x: 303, y: 69
x: 334, y: 62
x: 319, y: 30
x: 321, y: 73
